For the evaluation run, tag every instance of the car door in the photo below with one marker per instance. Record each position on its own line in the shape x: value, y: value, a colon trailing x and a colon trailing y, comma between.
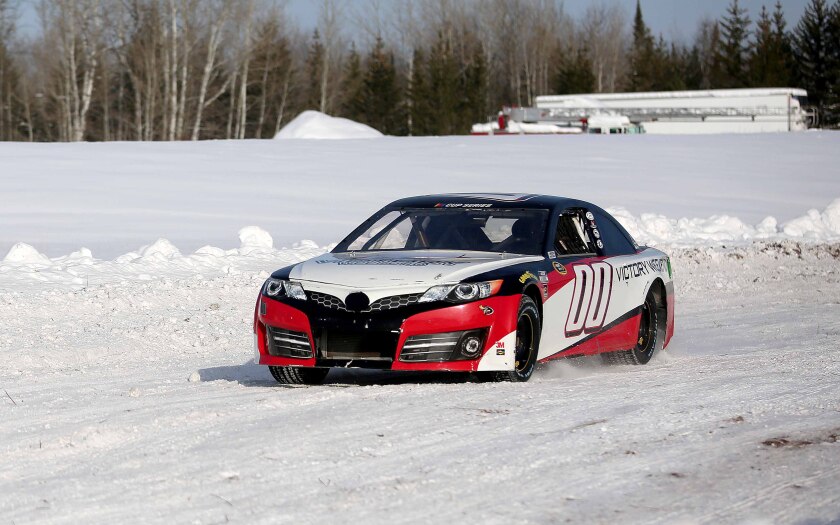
x: 586, y: 311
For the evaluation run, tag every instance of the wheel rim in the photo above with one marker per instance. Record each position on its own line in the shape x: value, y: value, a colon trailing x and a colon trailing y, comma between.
x: 646, y: 342
x: 524, y: 342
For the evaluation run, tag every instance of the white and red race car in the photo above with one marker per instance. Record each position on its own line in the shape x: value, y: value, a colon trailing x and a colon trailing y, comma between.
x: 483, y: 283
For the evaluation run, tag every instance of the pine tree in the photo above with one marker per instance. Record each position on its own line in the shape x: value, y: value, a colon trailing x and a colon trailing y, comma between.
x: 419, y: 96
x: 381, y: 97
x: 475, y: 108
x: 314, y: 70
x: 444, y: 88
x: 735, y: 47
x: 352, y: 86
x: 574, y: 74
x: 642, y: 76
x: 770, y: 58
x: 812, y: 48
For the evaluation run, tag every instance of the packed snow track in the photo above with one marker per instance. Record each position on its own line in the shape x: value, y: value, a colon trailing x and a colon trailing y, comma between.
x: 137, y: 402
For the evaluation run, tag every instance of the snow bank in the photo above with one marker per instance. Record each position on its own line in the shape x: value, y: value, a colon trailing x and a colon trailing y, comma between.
x: 653, y: 229
x: 25, y: 266
x: 317, y: 125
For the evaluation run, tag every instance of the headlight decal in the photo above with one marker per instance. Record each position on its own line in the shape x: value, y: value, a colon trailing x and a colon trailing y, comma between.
x: 461, y: 293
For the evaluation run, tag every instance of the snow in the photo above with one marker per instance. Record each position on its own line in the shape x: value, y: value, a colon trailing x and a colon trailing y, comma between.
x: 139, y: 402
x: 317, y: 125
x: 130, y: 395
x: 115, y: 197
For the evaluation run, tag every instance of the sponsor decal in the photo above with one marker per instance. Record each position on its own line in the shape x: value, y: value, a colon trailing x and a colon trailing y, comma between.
x: 485, y: 309
x: 499, y: 197
x: 465, y: 205
x: 545, y: 291
x: 500, y: 348
x: 638, y: 269
x: 552, y: 255
x: 543, y: 277
x: 590, y: 216
x: 526, y: 276
x: 391, y: 262
x: 599, y: 244
x: 596, y: 233
x: 669, y: 268
x: 559, y: 268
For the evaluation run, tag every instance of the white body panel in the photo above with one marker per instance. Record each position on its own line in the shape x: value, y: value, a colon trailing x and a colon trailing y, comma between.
x: 632, y: 276
x: 383, y: 274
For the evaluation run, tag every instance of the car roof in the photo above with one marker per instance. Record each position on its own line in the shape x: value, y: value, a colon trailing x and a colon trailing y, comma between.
x: 491, y: 200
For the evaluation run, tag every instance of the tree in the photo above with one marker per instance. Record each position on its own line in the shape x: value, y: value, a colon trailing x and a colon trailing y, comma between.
x: 770, y: 58
x: 381, y: 100
x: 352, y: 86
x: 419, y: 96
x: 574, y: 74
x: 735, y: 47
x: 642, y: 55
x: 816, y: 68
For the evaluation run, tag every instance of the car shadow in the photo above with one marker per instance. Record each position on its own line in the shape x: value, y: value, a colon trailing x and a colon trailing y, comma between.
x: 250, y: 374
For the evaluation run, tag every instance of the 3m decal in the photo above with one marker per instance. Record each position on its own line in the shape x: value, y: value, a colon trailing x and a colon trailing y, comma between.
x: 590, y: 299
x: 559, y: 268
x: 552, y: 255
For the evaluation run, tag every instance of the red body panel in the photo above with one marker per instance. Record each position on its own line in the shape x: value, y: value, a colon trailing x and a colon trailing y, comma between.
x: 619, y: 337
x: 446, y: 319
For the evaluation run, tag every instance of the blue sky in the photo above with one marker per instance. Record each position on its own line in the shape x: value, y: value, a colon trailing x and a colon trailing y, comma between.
x: 674, y: 19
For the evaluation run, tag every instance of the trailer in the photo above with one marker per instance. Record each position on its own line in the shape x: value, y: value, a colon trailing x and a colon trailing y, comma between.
x: 687, y: 112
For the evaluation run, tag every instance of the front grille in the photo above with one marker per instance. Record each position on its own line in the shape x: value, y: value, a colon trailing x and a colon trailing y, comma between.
x: 430, y: 347
x: 380, y: 305
x: 286, y: 343
x: 348, y: 346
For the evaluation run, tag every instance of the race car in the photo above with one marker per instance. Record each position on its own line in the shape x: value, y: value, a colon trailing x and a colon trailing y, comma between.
x: 488, y: 284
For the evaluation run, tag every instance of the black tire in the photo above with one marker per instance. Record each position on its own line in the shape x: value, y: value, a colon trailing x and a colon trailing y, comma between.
x: 648, y: 338
x: 295, y: 375
x: 528, y: 330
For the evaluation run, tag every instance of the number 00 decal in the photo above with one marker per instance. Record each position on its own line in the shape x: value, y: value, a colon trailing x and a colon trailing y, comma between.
x: 591, y: 298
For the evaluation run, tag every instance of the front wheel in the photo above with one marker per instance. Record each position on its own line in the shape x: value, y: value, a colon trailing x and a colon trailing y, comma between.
x: 528, y: 330
x: 295, y: 375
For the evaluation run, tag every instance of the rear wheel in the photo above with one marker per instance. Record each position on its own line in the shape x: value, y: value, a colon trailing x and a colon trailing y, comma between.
x: 528, y: 331
x: 646, y: 341
x: 295, y: 375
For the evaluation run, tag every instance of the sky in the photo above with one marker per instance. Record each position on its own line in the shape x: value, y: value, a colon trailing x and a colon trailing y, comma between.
x: 674, y: 19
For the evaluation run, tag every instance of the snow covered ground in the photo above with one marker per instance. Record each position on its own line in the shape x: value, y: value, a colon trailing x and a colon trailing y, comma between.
x: 129, y: 395
x: 738, y: 421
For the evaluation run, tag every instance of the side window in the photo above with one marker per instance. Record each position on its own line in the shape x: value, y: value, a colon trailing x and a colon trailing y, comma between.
x: 614, y: 239
x: 572, y: 237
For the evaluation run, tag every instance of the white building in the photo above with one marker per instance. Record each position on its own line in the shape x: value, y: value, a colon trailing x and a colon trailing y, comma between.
x: 687, y: 112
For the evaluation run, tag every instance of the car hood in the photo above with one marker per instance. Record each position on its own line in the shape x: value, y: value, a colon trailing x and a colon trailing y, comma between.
x: 400, y: 269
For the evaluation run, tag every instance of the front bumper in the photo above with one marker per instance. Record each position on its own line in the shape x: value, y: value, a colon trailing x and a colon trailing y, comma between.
x: 306, y: 334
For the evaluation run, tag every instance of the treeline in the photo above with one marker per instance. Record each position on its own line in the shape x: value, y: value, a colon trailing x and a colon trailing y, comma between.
x: 209, y: 69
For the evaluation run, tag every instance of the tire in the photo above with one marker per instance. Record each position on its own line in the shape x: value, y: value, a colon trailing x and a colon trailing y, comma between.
x: 647, y: 340
x: 528, y: 331
x: 295, y: 375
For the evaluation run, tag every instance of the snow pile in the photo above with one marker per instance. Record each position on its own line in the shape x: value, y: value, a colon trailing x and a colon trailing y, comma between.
x: 24, y: 267
x: 653, y: 229
x: 317, y: 125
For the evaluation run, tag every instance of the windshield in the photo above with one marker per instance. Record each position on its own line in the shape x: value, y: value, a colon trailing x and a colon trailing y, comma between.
x: 465, y: 229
